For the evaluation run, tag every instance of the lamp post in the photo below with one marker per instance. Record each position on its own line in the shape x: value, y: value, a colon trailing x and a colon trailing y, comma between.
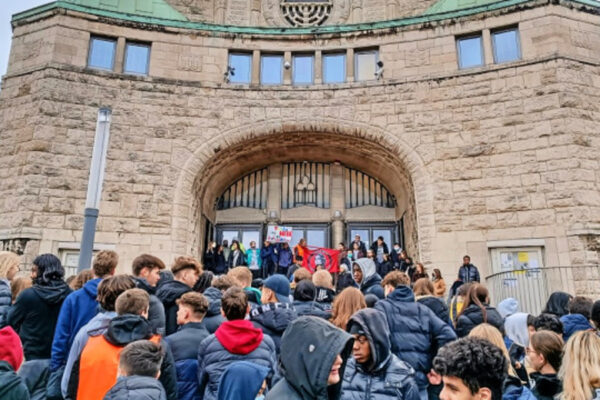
x: 94, y: 192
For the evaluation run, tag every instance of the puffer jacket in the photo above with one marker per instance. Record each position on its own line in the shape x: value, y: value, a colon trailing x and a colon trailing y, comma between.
x: 34, y: 316
x: 156, y: 312
x: 213, y: 318
x: 136, y: 387
x: 573, y: 323
x: 272, y: 319
x: 35, y: 375
x: 77, y: 310
x: 312, y: 308
x: 385, y: 377
x: 12, y: 386
x: 234, y: 341
x: 5, y: 301
x: 417, y: 333
x: 545, y: 386
x: 371, y: 281
x: 514, y: 390
x: 438, y: 307
x: 184, y: 346
x: 468, y: 273
x: 305, y: 373
x: 472, y: 316
x: 168, y: 293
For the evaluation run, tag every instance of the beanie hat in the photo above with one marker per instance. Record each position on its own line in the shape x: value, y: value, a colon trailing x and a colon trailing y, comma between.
x: 11, y: 349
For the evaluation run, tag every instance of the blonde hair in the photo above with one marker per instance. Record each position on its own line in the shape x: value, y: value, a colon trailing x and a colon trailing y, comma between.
x: 8, y: 261
x: 580, y: 369
x: 323, y: 278
x: 494, y: 336
x: 17, y: 285
x: 345, y: 304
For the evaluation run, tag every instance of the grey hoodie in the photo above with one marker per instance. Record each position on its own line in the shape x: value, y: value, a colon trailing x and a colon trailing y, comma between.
x: 371, y: 281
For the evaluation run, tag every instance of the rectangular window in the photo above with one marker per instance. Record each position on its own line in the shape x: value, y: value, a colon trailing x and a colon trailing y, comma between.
x: 365, y: 65
x: 271, y: 69
x: 137, y: 58
x: 102, y: 53
x: 470, y: 51
x: 303, y: 69
x: 242, y: 67
x: 506, y: 45
x: 334, y: 68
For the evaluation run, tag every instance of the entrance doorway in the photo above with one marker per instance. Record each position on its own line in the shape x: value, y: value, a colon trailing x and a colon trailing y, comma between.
x: 242, y: 233
x: 369, y: 232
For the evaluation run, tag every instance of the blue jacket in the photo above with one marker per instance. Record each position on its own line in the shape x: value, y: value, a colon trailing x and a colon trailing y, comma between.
x: 242, y: 380
x: 371, y: 281
x: 253, y: 253
x: 168, y: 293
x: 312, y: 308
x: 136, y: 387
x: 273, y: 318
x: 514, y: 390
x: 77, y: 310
x: 385, y: 377
x: 285, y: 257
x: 213, y: 318
x: 468, y: 273
x: 438, y: 307
x: 268, y: 256
x: 184, y: 345
x: 416, y: 332
x: 5, y: 301
x: 573, y: 323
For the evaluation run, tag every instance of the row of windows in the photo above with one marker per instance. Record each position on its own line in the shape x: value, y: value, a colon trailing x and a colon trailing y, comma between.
x: 505, y: 46
x: 102, y: 55
x: 302, y: 67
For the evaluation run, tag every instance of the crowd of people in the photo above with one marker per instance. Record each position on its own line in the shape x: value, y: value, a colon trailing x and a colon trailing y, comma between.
x: 256, y: 327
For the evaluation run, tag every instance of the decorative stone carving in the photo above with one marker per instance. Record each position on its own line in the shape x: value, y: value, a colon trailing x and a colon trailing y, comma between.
x: 14, y: 245
x: 306, y: 13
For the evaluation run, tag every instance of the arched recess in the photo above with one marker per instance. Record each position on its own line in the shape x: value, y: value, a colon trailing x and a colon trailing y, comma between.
x: 216, y: 163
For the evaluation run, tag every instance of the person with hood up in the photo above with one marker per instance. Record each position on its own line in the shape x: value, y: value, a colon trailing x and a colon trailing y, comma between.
x: 578, y: 319
x: 213, y: 318
x: 96, y: 370
x: 304, y: 301
x: 545, y: 356
x: 34, y: 314
x: 477, y: 310
x: 12, y: 386
x: 558, y: 304
x: 243, y: 380
x: 277, y: 311
x: 416, y: 332
x: 139, y: 367
x: 185, y: 342
x: 186, y: 271
x: 323, y: 282
x: 374, y: 372
x: 313, y: 360
x: 364, y: 272
x: 77, y: 310
x: 518, y: 327
x: 508, y: 307
x: 9, y: 266
x: 235, y: 340
x: 108, y: 292
x: 146, y: 270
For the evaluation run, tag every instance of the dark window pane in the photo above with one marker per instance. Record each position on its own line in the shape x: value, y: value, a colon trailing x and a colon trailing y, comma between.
x: 470, y: 53
x: 137, y: 57
x: 102, y: 53
x: 365, y: 65
x: 334, y: 68
x: 506, y: 46
x: 242, y: 64
x: 303, y: 70
x: 271, y: 70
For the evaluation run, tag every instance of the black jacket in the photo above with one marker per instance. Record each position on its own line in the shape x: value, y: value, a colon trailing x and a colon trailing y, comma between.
x: 136, y: 388
x: 472, y: 316
x: 545, y: 386
x: 5, y: 301
x: 35, y: 374
x: 156, y: 312
x: 34, y: 316
x: 385, y: 376
x: 273, y: 319
x: 344, y: 280
x: 168, y: 293
x: 311, y: 308
x: 438, y: 307
x: 184, y: 346
x: 209, y: 261
x: 371, y: 281
x: 12, y: 386
x: 213, y: 318
x: 241, y: 260
x: 309, y: 347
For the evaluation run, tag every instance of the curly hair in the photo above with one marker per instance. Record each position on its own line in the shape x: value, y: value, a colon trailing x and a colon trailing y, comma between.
x: 476, y: 362
x: 548, y: 322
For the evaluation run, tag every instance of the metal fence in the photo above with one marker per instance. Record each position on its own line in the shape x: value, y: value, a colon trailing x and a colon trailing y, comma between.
x: 532, y: 287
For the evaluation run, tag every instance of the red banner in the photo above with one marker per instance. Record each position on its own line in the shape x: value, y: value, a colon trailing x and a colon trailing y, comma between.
x: 314, y: 257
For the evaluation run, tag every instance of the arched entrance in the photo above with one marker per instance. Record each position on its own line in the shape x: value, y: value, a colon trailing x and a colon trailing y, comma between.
x: 249, y: 179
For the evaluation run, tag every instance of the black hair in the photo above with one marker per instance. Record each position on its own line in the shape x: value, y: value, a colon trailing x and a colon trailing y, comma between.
x: 141, y: 357
x: 531, y: 320
x: 476, y: 362
x: 204, y: 282
x: 596, y: 314
x: 548, y: 322
x: 49, y: 269
x: 581, y: 305
x: 305, y: 291
x: 558, y: 304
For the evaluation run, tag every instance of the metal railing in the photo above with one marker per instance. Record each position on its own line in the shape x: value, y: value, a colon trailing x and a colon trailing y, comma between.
x: 532, y: 287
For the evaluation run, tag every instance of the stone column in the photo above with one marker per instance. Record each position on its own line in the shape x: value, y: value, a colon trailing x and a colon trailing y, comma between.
x: 488, y: 52
x: 337, y: 204
x: 274, y: 193
x: 350, y: 65
x: 287, y: 72
x: 120, y: 55
x: 255, y: 78
x: 318, y: 67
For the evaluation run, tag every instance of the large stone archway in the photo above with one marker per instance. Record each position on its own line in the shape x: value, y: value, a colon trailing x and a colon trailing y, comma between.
x: 214, y: 164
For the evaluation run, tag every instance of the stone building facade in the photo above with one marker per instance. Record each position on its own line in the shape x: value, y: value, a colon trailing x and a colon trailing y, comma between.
x: 499, y: 160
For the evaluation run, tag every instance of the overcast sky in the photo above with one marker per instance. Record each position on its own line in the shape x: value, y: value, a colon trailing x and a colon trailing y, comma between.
x: 7, y: 9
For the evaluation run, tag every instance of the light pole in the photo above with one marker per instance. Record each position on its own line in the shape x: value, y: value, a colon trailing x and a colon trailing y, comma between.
x: 94, y: 192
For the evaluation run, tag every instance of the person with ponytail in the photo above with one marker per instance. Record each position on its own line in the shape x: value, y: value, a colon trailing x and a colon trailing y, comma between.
x: 476, y: 310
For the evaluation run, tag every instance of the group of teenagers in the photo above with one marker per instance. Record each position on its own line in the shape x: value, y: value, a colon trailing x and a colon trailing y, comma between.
x: 188, y: 333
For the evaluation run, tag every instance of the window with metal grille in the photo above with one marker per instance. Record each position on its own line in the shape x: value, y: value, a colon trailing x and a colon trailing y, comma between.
x: 305, y: 184
x: 249, y: 191
x: 363, y: 190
